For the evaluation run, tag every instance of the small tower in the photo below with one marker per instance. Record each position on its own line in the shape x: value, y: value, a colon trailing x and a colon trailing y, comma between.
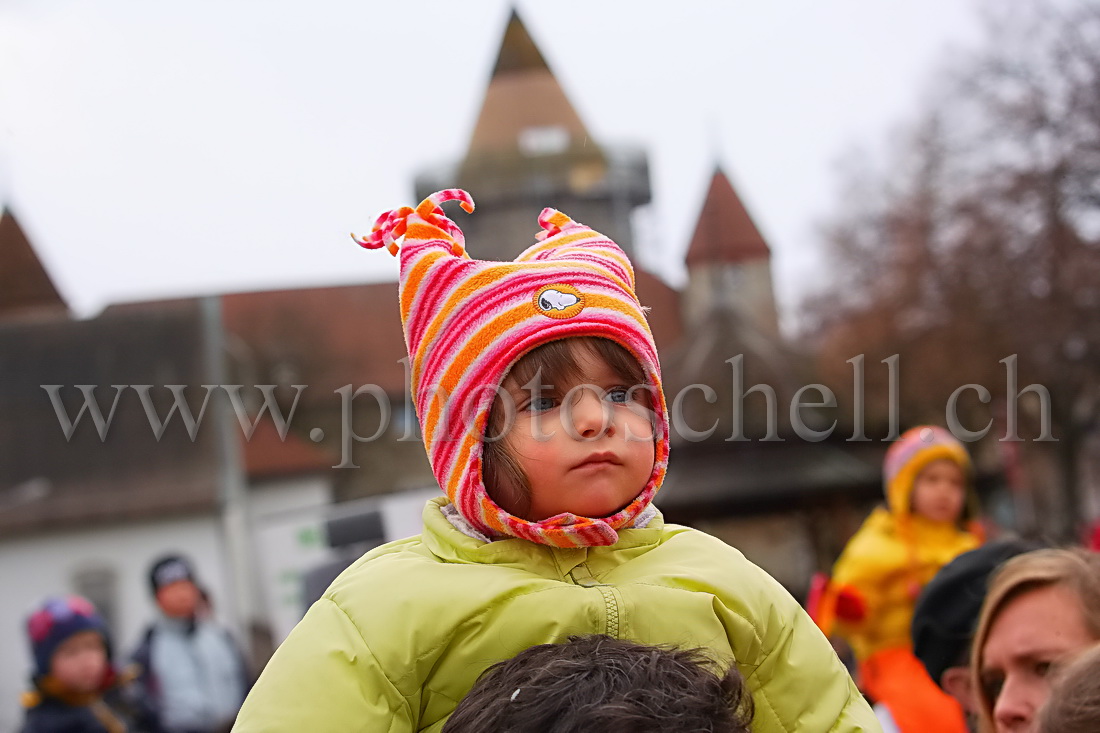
x: 530, y: 149
x: 25, y: 287
x: 729, y: 313
x: 729, y: 263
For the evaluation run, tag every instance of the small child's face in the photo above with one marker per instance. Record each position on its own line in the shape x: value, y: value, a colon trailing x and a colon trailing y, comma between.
x: 586, y: 447
x: 179, y: 599
x: 80, y: 662
x: 939, y: 491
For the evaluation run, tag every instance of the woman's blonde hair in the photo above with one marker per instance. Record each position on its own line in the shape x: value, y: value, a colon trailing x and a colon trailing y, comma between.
x: 1076, y: 569
x: 1074, y: 702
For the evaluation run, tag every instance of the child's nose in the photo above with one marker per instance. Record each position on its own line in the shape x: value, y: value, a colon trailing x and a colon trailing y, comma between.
x: 590, y: 416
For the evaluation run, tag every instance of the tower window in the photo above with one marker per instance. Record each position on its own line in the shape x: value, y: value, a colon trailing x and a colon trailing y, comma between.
x: 543, y: 140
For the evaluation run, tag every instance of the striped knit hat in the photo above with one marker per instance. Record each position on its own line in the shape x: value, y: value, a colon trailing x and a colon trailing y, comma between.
x: 58, y: 619
x: 468, y: 321
x: 907, y: 457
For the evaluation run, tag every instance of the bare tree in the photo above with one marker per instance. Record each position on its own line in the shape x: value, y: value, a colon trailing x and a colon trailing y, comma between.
x: 980, y: 241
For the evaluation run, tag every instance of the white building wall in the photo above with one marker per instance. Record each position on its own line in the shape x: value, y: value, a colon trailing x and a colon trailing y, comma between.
x: 287, y: 519
x: 289, y: 539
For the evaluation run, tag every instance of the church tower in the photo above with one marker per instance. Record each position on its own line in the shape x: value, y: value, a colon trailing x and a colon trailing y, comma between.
x: 729, y: 313
x: 530, y: 149
x: 729, y: 264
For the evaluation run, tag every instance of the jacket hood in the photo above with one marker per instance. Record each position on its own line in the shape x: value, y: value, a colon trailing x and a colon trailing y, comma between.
x: 907, y: 457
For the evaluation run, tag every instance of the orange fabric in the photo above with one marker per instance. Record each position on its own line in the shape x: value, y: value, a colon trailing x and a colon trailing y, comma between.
x: 897, y: 679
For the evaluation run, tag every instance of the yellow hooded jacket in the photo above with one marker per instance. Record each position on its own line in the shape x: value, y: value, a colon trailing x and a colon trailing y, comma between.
x: 895, y: 553
x: 402, y: 635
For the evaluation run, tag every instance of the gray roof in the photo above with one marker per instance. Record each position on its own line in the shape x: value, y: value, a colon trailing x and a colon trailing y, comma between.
x: 48, y: 481
x: 723, y: 478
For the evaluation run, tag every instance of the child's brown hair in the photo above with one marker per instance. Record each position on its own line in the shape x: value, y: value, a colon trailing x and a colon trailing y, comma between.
x: 598, y: 683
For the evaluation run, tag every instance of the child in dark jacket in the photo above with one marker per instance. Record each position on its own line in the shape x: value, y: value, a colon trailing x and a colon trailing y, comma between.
x: 76, y: 689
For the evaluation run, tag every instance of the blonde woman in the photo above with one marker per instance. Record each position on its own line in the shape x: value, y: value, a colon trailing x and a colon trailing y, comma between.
x: 1042, y: 610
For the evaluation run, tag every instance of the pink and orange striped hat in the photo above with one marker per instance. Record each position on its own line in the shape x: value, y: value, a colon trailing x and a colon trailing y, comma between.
x: 910, y: 454
x: 468, y: 321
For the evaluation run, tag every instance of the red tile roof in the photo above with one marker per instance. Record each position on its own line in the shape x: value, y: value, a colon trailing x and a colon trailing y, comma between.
x: 725, y: 232
x: 267, y: 455
x: 327, y: 337
x: 24, y: 282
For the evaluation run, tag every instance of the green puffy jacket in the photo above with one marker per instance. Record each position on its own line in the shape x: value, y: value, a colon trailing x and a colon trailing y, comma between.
x: 402, y: 634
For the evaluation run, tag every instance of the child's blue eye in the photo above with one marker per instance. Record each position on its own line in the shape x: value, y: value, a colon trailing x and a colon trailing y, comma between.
x: 618, y: 395
x: 542, y: 404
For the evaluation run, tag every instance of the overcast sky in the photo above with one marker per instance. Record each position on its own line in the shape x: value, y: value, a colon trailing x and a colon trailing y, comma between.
x: 158, y: 149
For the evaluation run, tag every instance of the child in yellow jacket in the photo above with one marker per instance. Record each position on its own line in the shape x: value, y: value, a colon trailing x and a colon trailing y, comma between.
x: 538, y: 390
x: 876, y: 581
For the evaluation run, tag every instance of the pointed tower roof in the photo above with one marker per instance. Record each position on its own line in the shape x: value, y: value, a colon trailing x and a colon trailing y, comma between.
x: 523, y: 95
x: 725, y: 232
x: 24, y: 282
x: 517, y: 51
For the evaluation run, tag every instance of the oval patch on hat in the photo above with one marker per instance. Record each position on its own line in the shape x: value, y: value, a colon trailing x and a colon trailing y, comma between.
x: 559, y: 300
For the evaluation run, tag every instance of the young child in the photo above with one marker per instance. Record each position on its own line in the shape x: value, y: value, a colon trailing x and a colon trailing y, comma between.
x: 596, y: 683
x: 539, y: 393
x: 192, y: 673
x: 885, y: 565
x: 75, y: 687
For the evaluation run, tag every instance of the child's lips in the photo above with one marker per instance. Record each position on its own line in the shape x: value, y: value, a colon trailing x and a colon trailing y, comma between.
x: 604, y: 459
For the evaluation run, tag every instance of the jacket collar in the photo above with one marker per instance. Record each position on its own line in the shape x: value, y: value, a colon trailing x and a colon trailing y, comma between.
x: 450, y: 545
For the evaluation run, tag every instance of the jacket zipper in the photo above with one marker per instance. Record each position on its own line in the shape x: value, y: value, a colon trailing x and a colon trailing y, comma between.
x: 582, y: 576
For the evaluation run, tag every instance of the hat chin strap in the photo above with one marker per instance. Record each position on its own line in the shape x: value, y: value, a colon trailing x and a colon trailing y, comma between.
x: 563, y: 530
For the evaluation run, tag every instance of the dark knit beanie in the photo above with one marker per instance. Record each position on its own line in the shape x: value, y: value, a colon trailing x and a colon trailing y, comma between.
x: 56, y: 620
x: 169, y: 569
x: 946, y: 613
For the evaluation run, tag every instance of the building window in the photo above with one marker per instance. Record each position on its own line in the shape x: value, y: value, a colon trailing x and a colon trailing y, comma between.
x: 99, y: 584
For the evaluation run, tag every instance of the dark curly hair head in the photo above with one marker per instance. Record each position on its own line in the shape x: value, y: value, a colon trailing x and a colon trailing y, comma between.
x: 597, y: 683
